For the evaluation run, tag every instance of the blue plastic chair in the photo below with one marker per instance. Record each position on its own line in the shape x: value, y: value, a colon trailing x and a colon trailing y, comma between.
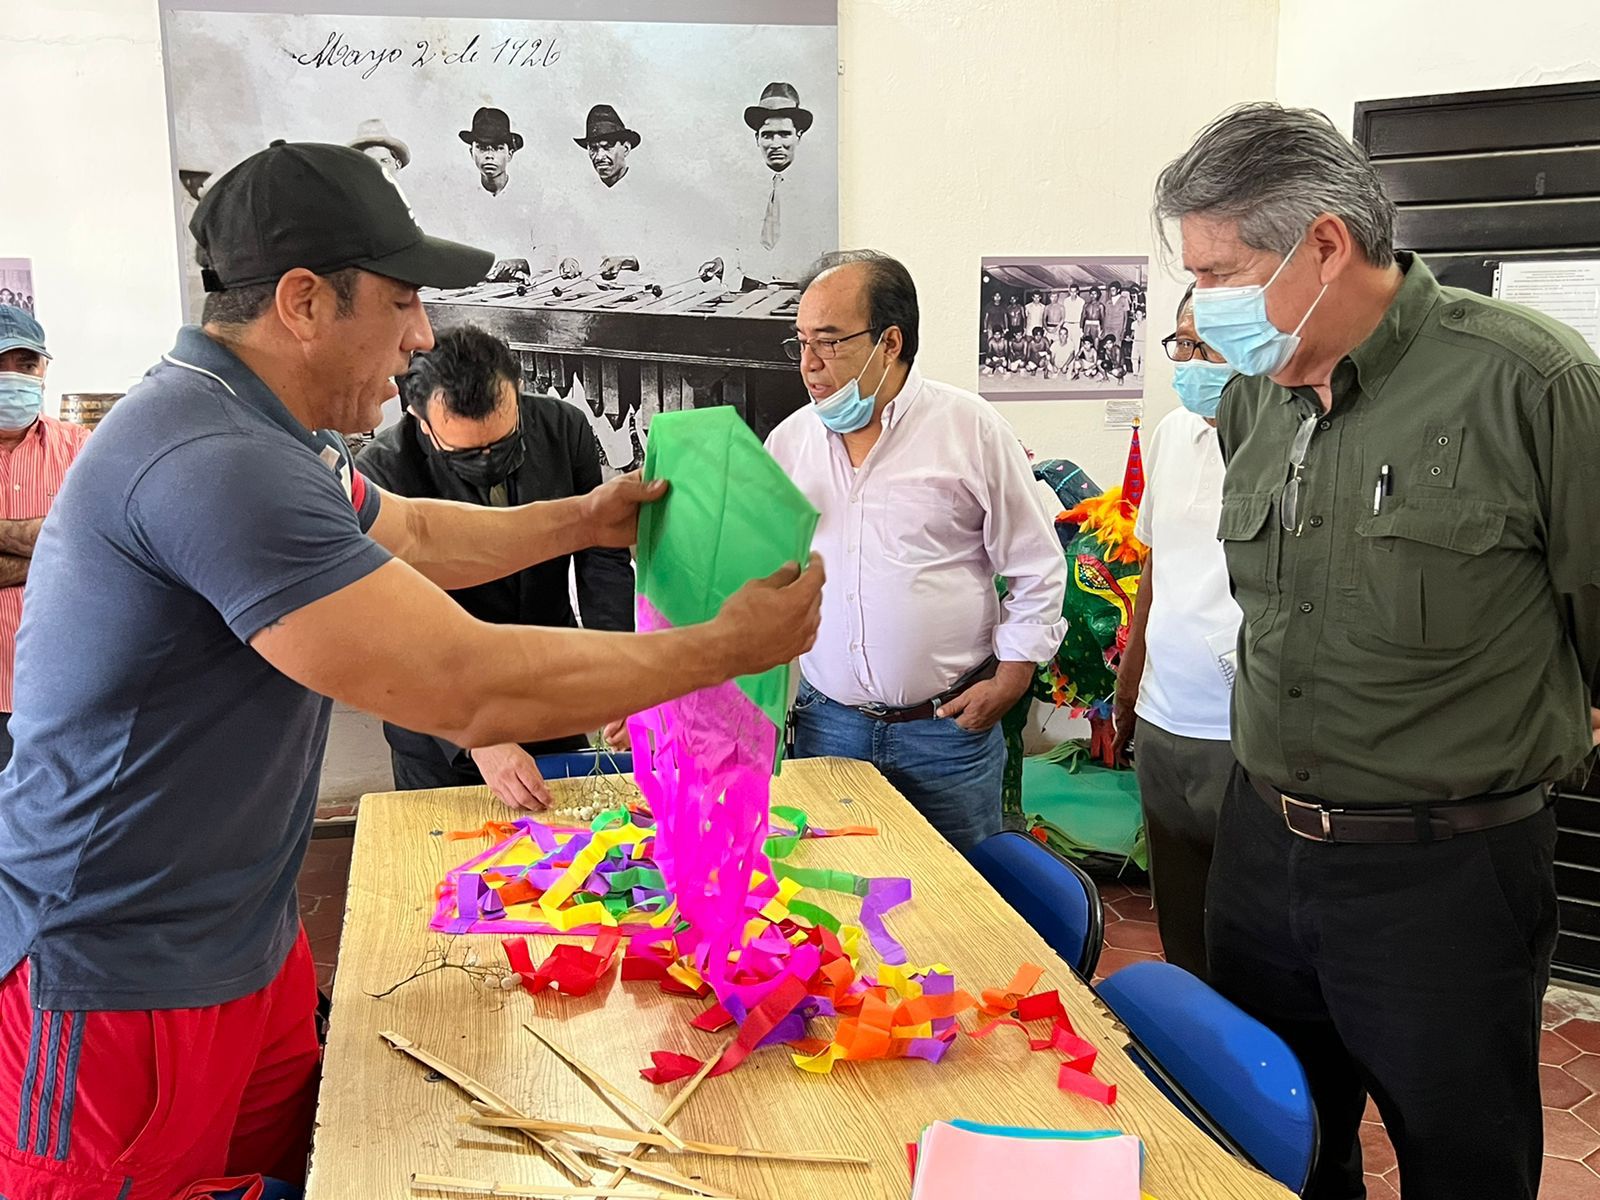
x: 1233, y: 1076
x: 578, y: 763
x: 1050, y: 892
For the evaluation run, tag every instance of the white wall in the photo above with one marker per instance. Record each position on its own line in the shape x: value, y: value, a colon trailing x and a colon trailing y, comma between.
x: 86, y: 191
x: 1380, y: 49
x: 975, y: 127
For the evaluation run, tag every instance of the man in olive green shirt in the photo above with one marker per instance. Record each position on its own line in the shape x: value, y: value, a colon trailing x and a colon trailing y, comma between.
x: 1411, y: 519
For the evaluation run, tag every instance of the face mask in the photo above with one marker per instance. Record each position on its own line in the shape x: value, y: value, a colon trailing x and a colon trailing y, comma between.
x: 1199, y: 385
x: 1233, y: 322
x: 483, y: 466
x: 847, y: 410
x: 21, y: 397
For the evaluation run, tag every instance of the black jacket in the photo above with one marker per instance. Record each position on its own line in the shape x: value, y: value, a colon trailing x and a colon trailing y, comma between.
x: 561, y: 459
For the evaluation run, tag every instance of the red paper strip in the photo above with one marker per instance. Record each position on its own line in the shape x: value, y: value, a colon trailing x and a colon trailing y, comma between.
x: 714, y: 1018
x: 1036, y: 1008
x: 1073, y: 1080
x: 641, y: 963
x: 670, y: 1067
x: 571, y: 970
x: 763, y: 1019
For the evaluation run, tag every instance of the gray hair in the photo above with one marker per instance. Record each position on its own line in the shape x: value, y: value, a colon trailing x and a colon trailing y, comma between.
x: 1275, y: 170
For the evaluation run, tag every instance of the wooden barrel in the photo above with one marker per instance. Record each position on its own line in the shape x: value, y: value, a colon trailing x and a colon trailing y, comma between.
x: 87, y: 408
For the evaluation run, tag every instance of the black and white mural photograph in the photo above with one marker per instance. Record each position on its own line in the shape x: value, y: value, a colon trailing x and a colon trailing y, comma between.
x: 1062, y: 328
x: 653, y: 180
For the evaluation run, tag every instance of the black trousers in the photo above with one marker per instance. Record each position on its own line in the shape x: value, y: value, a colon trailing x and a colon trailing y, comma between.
x: 1413, y: 973
x: 6, y: 744
x: 1182, y: 782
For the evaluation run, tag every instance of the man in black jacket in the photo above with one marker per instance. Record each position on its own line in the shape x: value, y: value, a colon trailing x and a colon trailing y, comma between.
x: 468, y: 434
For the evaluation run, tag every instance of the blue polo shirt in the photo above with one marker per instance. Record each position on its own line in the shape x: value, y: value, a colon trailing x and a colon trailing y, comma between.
x: 159, y: 803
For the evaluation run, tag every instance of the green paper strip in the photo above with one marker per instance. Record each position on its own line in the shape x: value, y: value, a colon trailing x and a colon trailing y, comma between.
x: 816, y: 915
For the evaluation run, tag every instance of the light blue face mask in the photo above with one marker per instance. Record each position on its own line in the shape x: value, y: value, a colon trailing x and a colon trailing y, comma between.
x: 1233, y: 321
x: 847, y: 410
x: 1199, y: 385
x: 21, y: 397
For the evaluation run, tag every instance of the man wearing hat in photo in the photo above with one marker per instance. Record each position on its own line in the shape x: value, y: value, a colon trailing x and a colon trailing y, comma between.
x: 504, y: 225
x: 157, y: 995
x: 784, y: 235
x: 608, y: 142
x: 35, y: 452
x: 373, y: 139
x: 492, y: 144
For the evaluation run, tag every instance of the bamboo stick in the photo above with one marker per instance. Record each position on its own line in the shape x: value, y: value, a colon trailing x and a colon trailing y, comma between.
x: 540, y: 1191
x: 606, y: 1087
x: 487, y: 1096
x: 672, y: 1110
x: 485, y: 1121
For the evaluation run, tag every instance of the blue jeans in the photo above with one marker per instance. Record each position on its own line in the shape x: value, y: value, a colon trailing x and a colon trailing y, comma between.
x: 951, y: 776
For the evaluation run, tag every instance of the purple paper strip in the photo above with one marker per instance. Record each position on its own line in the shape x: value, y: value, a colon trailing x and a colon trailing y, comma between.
x: 882, y: 895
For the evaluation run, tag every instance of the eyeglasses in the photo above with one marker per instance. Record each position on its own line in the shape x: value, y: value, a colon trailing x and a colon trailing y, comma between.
x: 823, y: 348
x: 1289, y: 503
x: 1182, y: 349
x: 470, y: 452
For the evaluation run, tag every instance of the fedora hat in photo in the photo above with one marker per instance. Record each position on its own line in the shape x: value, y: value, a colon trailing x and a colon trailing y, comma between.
x: 491, y: 127
x: 373, y: 132
x: 604, y: 125
x: 778, y: 100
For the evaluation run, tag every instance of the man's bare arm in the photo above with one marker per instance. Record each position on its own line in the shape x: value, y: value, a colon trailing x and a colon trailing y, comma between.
x: 460, y: 545
x: 13, y: 570
x: 17, y: 537
x: 394, y: 645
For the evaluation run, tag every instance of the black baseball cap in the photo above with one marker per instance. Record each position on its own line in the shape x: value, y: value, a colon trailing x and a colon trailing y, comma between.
x: 324, y: 208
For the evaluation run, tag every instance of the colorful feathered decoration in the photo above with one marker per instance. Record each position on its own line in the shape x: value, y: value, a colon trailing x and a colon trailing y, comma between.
x: 1104, y: 560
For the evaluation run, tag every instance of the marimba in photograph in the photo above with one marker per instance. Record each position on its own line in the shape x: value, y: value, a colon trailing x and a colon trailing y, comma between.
x: 627, y: 347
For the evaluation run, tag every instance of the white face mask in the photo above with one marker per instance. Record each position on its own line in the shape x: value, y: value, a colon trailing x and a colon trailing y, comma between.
x: 1233, y: 321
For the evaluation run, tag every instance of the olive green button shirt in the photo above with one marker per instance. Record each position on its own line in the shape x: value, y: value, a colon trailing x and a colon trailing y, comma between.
x: 1446, y: 645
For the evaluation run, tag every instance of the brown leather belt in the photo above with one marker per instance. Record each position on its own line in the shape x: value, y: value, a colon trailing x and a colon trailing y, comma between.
x: 929, y: 708
x: 1401, y: 822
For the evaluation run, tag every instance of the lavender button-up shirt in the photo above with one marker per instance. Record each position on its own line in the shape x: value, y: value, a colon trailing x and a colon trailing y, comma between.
x: 913, y: 539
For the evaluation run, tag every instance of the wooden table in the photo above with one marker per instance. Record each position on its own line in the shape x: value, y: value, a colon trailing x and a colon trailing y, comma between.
x: 380, y: 1118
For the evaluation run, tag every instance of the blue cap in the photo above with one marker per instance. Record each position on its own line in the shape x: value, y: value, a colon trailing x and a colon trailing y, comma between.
x: 19, y: 331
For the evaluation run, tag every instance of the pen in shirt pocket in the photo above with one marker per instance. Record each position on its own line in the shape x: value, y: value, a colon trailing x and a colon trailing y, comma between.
x: 1384, y: 487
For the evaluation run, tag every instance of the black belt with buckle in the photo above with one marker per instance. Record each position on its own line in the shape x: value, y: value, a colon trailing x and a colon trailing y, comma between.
x: 929, y: 708
x: 1397, y: 823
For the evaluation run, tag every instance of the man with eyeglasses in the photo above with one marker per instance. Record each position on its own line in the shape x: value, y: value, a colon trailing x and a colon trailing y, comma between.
x: 926, y: 497
x: 1175, y: 678
x: 470, y: 434
x: 1408, y: 514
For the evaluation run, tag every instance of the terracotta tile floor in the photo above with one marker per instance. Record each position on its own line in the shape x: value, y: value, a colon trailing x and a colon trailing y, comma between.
x: 1571, y: 1051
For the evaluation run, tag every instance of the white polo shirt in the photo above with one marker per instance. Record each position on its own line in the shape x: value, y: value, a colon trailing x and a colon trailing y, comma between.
x: 1192, y: 635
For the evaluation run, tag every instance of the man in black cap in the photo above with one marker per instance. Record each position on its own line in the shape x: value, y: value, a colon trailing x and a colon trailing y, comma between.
x: 168, y: 745
x: 608, y: 142
x: 492, y: 143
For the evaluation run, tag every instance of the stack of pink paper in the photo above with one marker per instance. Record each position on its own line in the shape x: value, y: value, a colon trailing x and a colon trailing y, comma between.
x: 960, y: 1160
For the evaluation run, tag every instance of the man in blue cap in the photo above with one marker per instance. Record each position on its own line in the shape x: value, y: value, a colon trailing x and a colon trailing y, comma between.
x: 35, y: 452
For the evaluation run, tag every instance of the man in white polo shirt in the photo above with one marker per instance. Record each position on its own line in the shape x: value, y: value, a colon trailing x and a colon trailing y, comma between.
x: 1175, y: 681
